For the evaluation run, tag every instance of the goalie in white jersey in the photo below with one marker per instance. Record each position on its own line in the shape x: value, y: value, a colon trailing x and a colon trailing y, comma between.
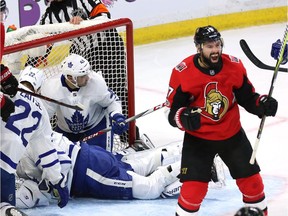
x: 98, y: 173
x: 102, y: 107
x: 28, y: 124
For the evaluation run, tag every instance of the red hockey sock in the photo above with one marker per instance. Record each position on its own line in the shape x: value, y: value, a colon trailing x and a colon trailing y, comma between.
x: 252, y: 189
x: 191, y: 195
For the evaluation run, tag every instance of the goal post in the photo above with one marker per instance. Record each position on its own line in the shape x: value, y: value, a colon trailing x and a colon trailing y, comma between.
x: 45, y: 47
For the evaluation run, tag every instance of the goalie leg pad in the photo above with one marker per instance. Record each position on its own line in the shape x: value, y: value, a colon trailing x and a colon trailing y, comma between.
x: 152, y: 186
x: 172, y: 189
x: 145, y: 162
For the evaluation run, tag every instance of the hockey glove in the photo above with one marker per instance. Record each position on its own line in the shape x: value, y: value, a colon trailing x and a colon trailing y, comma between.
x: 188, y: 118
x: 267, y: 105
x: 9, y: 83
x: 275, y: 50
x: 61, y: 191
x: 119, y: 126
x: 7, y: 107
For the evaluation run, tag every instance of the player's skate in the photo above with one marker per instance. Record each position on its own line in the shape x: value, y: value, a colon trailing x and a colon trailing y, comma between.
x: 143, y: 143
x: 8, y: 210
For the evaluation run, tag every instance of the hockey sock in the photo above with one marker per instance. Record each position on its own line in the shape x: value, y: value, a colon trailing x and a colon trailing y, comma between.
x: 252, y: 189
x: 191, y: 196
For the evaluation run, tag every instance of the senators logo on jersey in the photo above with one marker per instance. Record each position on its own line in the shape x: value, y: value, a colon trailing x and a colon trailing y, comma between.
x: 216, y: 104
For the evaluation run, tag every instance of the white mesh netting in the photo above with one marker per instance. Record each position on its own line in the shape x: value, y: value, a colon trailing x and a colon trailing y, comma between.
x: 105, y: 49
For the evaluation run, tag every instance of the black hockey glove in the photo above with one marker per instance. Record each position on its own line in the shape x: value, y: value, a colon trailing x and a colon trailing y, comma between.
x: 267, y: 105
x: 7, y: 107
x: 9, y: 83
x: 188, y: 118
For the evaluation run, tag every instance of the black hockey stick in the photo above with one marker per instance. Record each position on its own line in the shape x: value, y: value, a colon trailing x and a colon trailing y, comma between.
x: 280, y: 58
x: 255, y: 60
x: 148, y: 111
x: 76, y: 107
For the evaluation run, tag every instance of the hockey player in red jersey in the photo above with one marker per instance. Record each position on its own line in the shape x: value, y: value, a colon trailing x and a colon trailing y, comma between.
x: 8, y: 82
x: 205, y: 90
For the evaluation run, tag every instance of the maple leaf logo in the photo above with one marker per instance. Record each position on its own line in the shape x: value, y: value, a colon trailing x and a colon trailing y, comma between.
x: 77, y: 122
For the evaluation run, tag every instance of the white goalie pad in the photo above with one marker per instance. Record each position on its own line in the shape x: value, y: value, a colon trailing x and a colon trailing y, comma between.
x: 28, y: 194
x: 218, y: 166
x: 152, y: 186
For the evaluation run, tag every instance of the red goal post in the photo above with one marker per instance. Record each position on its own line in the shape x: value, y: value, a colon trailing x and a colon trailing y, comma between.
x: 50, y: 44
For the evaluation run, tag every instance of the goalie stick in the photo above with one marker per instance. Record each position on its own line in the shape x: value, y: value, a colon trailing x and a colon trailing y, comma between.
x: 146, y: 112
x: 255, y: 60
x: 76, y: 107
x: 280, y: 58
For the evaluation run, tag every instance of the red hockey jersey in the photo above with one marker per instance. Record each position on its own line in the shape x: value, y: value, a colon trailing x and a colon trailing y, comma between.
x: 214, y: 93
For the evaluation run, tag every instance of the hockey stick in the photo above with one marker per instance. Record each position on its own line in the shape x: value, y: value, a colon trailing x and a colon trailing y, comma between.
x: 146, y: 112
x: 280, y: 58
x: 255, y: 60
x: 76, y: 107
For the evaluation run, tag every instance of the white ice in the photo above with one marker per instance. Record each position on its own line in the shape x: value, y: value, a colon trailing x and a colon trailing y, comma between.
x: 153, y: 65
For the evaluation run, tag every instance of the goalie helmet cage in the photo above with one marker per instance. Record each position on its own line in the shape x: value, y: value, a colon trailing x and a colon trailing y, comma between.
x: 112, y: 55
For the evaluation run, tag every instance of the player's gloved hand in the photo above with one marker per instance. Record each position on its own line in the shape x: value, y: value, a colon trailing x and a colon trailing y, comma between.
x: 119, y: 126
x: 9, y: 83
x: 188, y: 118
x: 267, y: 105
x: 7, y: 107
x: 275, y: 50
x: 61, y: 190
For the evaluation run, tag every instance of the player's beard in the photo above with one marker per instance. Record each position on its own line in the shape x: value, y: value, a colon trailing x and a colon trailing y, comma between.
x: 209, y: 63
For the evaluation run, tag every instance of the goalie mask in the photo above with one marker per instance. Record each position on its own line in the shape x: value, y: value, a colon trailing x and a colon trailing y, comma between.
x: 32, y: 75
x: 75, y: 66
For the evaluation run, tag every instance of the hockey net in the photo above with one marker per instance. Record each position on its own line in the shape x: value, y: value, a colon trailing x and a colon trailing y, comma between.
x: 106, y: 44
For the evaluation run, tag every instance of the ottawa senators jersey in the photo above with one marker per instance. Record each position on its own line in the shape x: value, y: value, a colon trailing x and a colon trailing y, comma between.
x: 215, y: 92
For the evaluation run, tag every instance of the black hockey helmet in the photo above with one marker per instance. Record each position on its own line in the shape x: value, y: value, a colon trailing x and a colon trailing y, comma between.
x: 249, y: 211
x: 206, y: 33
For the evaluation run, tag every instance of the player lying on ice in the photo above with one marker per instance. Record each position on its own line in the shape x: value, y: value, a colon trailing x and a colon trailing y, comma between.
x: 93, y: 172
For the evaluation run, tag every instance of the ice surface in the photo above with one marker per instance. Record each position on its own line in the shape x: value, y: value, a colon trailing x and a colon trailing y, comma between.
x: 153, y: 65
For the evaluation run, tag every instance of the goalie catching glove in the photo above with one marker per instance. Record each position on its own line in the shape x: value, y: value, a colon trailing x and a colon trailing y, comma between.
x: 188, y: 118
x: 9, y: 83
x: 118, y: 123
x: 267, y: 106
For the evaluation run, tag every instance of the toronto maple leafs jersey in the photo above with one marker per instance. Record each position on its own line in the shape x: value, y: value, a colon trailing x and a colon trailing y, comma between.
x: 98, y: 101
x: 29, y: 125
